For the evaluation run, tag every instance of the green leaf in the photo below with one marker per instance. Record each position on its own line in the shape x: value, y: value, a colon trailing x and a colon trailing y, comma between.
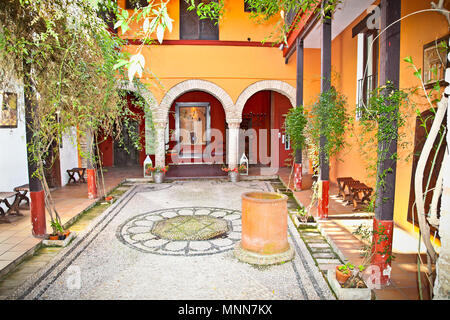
x: 408, y: 59
x: 418, y: 74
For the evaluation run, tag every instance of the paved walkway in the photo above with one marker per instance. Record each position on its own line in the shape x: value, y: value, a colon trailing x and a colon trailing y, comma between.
x: 338, y: 229
x: 16, y: 240
x: 117, y: 256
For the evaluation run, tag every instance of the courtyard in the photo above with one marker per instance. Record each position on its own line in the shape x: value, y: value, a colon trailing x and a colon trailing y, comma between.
x: 119, y: 256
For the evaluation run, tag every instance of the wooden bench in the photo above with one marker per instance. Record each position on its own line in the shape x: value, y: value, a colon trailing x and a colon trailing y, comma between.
x: 353, y: 191
x: 79, y: 171
x: 356, y: 190
x: 341, y: 184
x: 13, y: 208
x: 21, y: 193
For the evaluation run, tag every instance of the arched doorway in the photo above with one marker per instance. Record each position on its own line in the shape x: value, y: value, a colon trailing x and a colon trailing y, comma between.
x: 127, y: 147
x: 263, y: 138
x: 197, y: 131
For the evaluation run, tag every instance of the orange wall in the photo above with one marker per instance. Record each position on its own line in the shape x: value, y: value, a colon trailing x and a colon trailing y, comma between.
x: 416, y: 31
x: 233, y: 68
x: 235, y: 24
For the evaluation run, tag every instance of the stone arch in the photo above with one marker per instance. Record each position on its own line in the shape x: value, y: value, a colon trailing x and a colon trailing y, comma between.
x: 196, y: 85
x: 143, y: 91
x: 151, y: 114
x: 274, y: 85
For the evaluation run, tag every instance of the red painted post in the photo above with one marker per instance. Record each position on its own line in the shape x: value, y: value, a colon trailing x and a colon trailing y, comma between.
x: 92, y: 183
x: 322, y: 208
x: 37, y: 213
x: 298, y: 178
x: 381, y: 251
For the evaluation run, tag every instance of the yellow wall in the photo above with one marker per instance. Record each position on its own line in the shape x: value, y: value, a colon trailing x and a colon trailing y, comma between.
x: 235, y: 24
x: 233, y: 68
x: 416, y: 31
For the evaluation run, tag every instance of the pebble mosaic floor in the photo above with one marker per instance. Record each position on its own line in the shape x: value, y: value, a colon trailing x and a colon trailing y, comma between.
x: 123, y: 254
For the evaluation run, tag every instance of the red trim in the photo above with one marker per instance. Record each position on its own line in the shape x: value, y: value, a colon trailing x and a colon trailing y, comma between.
x: 91, y: 183
x: 138, y: 42
x: 324, y: 200
x: 298, y: 26
x: 382, y: 249
x: 37, y: 213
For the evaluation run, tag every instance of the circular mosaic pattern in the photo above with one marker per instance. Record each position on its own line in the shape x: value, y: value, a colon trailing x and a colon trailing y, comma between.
x: 190, y: 228
x: 187, y: 231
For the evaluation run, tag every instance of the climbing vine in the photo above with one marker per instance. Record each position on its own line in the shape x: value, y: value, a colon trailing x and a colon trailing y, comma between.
x: 67, y: 58
x: 329, y: 118
x: 295, y: 125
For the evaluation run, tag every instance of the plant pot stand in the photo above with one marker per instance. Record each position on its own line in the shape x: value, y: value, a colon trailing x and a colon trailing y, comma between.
x: 262, y: 259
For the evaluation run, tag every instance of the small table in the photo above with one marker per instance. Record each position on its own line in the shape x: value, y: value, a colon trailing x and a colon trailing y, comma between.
x: 79, y: 171
x: 21, y: 193
x: 13, y: 209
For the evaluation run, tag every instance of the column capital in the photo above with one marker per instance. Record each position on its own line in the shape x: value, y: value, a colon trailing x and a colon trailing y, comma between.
x: 234, y: 123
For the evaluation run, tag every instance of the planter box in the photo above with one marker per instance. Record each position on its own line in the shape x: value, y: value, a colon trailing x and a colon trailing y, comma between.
x: 347, y: 293
x: 307, y: 225
x: 59, y: 243
x: 302, y: 225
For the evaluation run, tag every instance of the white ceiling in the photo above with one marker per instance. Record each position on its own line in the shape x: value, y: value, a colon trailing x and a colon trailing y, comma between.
x: 346, y: 13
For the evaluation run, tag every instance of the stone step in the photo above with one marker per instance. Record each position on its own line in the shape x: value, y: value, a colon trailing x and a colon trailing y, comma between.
x: 324, y: 255
x: 326, y: 266
x: 328, y: 261
x: 319, y: 245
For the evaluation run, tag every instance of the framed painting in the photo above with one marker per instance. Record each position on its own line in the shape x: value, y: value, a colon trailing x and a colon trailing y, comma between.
x: 8, y: 110
x: 193, y: 126
x: 435, y: 62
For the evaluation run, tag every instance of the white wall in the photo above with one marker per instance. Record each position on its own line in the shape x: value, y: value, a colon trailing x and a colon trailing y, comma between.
x: 68, y: 154
x: 13, y: 146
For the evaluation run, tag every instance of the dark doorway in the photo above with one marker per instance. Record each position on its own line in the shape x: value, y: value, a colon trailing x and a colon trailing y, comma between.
x: 126, y: 152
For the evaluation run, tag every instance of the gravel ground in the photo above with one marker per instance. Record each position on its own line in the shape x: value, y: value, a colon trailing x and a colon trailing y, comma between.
x: 99, y: 265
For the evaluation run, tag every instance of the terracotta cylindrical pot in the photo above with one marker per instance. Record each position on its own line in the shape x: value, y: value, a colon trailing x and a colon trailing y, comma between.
x: 264, y: 222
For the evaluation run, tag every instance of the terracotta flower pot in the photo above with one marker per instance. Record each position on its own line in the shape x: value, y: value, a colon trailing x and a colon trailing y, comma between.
x: 264, y: 222
x: 52, y: 237
x: 341, y: 277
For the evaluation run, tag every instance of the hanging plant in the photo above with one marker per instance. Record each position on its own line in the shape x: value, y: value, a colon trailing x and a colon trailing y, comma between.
x: 329, y: 118
x: 295, y: 125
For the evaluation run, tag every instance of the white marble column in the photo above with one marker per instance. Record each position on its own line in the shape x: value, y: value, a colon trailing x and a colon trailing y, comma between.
x: 233, y: 143
x: 160, y: 145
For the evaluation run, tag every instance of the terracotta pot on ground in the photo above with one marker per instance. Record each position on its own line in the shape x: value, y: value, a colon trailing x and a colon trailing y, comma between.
x: 264, y: 222
x: 341, y: 277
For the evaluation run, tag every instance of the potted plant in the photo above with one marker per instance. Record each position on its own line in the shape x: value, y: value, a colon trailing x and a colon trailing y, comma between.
x: 347, y: 282
x: 303, y: 219
x: 157, y: 173
x: 59, y: 236
x: 234, y: 173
